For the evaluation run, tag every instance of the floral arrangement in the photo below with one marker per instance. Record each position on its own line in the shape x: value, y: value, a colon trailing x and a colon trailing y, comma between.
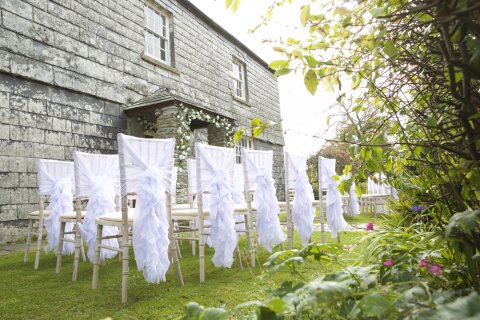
x: 185, y: 117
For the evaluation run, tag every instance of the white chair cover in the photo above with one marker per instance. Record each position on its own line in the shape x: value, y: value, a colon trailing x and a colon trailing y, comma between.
x: 335, y: 220
x: 354, y: 200
x: 97, y: 177
x: 215, y: 167
x: 146, y: 168
x: 55, y: 178
x: 303, y: 211
x: 354, y: 206
x: 259, y: 179
x: 192, y: 176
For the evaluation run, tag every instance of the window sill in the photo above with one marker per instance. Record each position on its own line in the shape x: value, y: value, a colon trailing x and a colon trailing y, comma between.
x: 159, y: 63
x: 242, y: 101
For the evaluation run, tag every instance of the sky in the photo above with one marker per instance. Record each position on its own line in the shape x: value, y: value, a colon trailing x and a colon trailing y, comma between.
x: 303, y: 115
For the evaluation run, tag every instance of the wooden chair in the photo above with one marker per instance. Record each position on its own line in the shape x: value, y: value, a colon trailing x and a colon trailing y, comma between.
x: 97, y: 181
x: 55, y: 181
x: 213, y: 175
x: 300, y: 201
x: 333, y: 201
x: 145, y: 170
x: 262, y: 213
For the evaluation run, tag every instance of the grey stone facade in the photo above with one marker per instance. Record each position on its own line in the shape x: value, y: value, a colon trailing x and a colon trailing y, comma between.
x: 69, y: 68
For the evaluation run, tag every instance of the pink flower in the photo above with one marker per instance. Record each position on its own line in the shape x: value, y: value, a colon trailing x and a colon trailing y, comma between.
x: 424, y: 262
x: 369, y: 226
x: 388, y: 263
x: 435, y: 269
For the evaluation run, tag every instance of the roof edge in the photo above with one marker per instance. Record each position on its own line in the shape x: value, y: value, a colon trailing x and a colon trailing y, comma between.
x: 199, y: 13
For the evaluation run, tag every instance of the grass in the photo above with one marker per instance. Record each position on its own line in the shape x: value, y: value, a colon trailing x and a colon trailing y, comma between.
x: 42, y: 294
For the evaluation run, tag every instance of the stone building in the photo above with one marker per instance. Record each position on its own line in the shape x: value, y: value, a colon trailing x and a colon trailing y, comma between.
x: 74, y: 73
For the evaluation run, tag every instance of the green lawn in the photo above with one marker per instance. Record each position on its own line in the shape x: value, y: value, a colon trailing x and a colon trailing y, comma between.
x: 42, y: 294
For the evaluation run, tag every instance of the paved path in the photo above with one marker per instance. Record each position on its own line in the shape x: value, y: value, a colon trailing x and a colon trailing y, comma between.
x: 9, y: 248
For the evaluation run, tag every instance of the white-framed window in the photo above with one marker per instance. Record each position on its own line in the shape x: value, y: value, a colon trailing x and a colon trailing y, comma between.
x: 157, y: 34
x: 246, y: 143
x: 239, y: 79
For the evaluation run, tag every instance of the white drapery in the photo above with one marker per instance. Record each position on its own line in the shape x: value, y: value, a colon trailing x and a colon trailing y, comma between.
x: 97, y: 177
x: 353, y: 198
x: 303, y: 211
x: 56, y: 179
x: 148, y: 168
x: 260, y: 180
x: 335, y: 220
x: 216, y: 175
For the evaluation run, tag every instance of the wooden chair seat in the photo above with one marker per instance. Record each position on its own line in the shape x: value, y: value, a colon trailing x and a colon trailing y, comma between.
x: 36, y: 214
x: 71, y: 216
x: 115, y: 219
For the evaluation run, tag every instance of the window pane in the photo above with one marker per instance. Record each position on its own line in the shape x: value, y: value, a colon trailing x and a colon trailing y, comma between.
x: 164, y: 26
x: 163, y: 56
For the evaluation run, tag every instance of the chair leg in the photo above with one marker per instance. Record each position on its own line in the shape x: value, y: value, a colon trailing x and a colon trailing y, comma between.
x: 177, y: 248
x: 124, y: 263
x: 249, y: 235
x: 96, y: 259
x: 201, y: 250
x: 322, y: 226
x: 192, y: 235
x: 82, y: 250
x: 39, y: 242
x: 76, y: 258
x: 239, y: 258
x: 174, y: 254
x: 29, y: 240
x: 60, y: 247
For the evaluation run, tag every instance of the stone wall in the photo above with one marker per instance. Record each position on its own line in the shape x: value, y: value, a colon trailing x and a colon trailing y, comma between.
x: 68, y: 68
x: 41, y: 121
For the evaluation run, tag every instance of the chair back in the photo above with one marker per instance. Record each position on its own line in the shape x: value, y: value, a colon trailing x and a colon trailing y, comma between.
x: 91, y: 170
x: 210, y: 161
x: 326, y: 169
x: 192, y: 176
x: 294, y: 166
x: 256, y: 161
x: 138, y: 155
x: 50, y: 172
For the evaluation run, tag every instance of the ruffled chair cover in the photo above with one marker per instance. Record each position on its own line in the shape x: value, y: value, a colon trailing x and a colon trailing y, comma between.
x: 259, y: 172
x: 216, y: 166
x: 55, y: 178
x: 354, y: 206
x: 173, y: 184
x: 146, y: 168
x: 97, y: 177
x: 303, y: 211
x: 335, y: 220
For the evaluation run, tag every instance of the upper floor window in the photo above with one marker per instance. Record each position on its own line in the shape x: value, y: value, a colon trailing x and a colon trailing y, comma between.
x: 157, y: 34
x: 246, y: 143
x: 239, y: 79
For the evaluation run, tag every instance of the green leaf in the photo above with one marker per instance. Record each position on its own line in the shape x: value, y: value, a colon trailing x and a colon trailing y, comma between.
x: 378, y: 12
x: 311, y: 61
x: 238, y: 135
x: 356, y: 81
x: 214, y: 314
x: 278, y: 64
x: 377, y: 306
x: 277, y: 305
x: 373, y: 165
x: 425, y: 17
x: 282, y: 72
x: 432, y: 122
x: 305, y: 15
x: 358, y: 190
x: 311, y: 81
x: 389, y: 48
x: 341, y: 11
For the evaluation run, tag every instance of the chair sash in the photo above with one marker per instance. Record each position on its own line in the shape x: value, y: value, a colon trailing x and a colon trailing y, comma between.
x: 269, y: 230
x: 61, y: 202
x: 303, y: 211
x: 150, y: 223
x: 354, y: 200
x: 222, y: 231
x: 101, y: 200
x: 335, y: 220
